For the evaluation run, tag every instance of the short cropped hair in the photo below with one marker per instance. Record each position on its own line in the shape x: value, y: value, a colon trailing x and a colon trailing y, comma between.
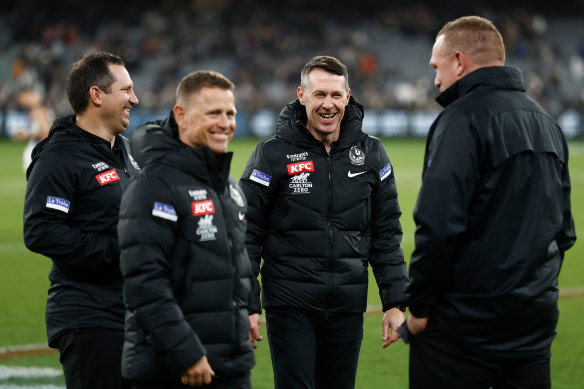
x: 326, y: 63
x: 192, y: 83
x: 476, y: 37
x: 91, y: 70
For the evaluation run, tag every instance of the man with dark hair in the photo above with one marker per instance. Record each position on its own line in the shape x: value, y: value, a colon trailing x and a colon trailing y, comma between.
x: 75, y: 183
x: 322, y: 206
x: 187, y: 276
x: 493, y: 222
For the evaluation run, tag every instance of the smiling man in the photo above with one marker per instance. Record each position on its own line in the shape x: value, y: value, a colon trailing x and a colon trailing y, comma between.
x: 322, y: 206
x: 75, y: 183
x: 187, y: 276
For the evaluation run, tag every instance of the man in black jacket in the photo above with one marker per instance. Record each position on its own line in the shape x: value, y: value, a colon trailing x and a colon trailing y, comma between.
x: 493, y: 222
x: 322, y: 206
x: 75, y: 183
x: 187, y: 276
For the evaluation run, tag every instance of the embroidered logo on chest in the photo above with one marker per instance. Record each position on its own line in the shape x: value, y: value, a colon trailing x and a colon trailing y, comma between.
x: 300, y: 167
x: 204, y: 207
x: 107, y: 177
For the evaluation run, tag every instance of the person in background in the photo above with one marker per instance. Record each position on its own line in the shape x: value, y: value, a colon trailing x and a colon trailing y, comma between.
x: 38, y: 122
x: 493, y: 223
x: 187, y: 275
x: 75, y: 184
x: 322, y: 207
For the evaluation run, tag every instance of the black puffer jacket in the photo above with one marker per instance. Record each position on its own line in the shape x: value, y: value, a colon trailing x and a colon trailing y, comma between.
x: 318, y: 220
x: 75, y: 184
x: 187, y: 276
x: 493, y: 217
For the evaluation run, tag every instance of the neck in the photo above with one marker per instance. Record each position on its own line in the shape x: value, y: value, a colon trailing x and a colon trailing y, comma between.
x: 95, y: 127
x: 327, y: 139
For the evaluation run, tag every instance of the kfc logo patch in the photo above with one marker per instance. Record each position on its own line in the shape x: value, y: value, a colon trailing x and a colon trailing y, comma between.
x: 300, y: 167
x: 204, y: 207
x: 107, y: 177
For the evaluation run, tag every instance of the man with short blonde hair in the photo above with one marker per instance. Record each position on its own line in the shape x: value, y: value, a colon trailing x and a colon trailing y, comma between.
x: 493, y: 222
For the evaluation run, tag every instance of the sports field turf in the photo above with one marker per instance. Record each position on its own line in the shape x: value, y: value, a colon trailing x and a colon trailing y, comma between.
x: 24, y: 284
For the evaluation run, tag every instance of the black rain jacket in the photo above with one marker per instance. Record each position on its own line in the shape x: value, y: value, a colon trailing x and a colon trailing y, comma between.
x: 493, y: 217
x: 187, y: 276
x: 75, y: 183
x: 319, y: 219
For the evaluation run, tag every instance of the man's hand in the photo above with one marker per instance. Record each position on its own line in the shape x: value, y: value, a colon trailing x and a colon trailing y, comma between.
x: 199, y: 374
x: 392, y: 318
x: 416, y: 324
x: 255, y: 321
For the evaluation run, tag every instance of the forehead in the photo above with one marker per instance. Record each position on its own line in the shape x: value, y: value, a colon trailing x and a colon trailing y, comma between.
x: 120, y: 74
x: 212, y: 98
x: 321, y: 79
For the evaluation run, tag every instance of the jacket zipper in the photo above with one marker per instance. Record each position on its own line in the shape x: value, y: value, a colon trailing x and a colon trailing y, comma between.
x: 331, y: 240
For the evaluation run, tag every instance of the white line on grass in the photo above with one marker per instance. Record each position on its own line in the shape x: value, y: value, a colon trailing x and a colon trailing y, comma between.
x: 31, y: 387
x: 27, y: 372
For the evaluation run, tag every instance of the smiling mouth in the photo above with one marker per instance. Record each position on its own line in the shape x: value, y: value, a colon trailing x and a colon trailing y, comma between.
x: 327, y: 115
x: 219, y: 136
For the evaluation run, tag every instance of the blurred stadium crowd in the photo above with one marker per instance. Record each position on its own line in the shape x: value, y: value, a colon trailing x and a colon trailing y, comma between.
x: 262, y: 45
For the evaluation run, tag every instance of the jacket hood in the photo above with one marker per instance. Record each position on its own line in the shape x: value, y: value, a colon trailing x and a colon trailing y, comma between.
x: 157, y: 142
x: 62, y: 126
x: 291, y: 123
x: 500, y: 77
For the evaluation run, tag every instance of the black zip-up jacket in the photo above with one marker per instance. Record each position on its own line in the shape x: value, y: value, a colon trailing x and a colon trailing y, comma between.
x: 493, y: 217
x: 318, y: 219
x: 75, y: 184
x: 187, y: 276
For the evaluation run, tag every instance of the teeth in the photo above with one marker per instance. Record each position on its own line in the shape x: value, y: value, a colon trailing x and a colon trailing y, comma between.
x: 220, y: 136
x: 127, y: 110
x: 327, y: 115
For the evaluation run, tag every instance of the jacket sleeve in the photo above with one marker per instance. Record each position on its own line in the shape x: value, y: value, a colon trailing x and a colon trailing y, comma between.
x: 50, y: 201
x: 259, y: 203
x: 448, y: 183
x: 387, y: 257
x: 567, y: 236
x: 147, y: 244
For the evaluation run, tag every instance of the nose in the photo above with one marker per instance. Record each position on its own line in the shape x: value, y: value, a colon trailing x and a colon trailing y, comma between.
x: 133, y: 98
x: 328, y: 103
x: 225, y: 121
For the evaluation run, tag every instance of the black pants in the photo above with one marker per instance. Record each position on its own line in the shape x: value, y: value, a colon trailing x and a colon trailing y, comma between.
x: 437, y: 362
x: 91, y: 358
x: 242, y: 381
x: 312, y: 350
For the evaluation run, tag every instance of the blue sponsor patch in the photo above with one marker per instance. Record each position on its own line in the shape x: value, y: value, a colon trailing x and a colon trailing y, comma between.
x: 385, y: 172
x: 164, y: 211
x: 260, y: 178
x: 58, y: 204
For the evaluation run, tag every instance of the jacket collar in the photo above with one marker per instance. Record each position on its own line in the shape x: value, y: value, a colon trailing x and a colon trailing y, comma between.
x: 157, y: 142
x: 291, y: 126
x: 498, y: 77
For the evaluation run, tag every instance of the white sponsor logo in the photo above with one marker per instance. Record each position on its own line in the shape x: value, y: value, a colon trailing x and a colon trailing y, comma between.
x: 297, y: 157
x: 241, y: 215
x: 300, y: 184
x: 100, y: 166
x: 351, y: 175
x: 206, y: 230
x: 199, y: 194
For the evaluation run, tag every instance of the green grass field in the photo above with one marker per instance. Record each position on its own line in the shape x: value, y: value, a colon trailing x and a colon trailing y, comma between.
x: 24, y: 282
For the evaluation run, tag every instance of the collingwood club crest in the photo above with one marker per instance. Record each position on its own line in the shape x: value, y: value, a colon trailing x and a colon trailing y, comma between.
x: 357, y: 156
